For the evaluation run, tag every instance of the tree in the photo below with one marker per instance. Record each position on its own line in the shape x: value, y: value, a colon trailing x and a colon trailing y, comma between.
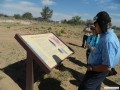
x: 27, y: 15
x: 1, y: 14
x: 76, y: 20
x: 114, y: 27
x: 17, y: 16
x: 46, y: 13
x: 89, y: 22
x: 64, y: 21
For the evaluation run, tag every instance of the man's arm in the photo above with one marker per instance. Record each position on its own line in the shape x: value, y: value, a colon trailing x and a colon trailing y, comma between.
x: 99, y: 68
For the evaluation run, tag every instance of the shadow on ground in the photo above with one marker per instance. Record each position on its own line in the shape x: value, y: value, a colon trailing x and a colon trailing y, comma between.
x: 110, y: 83
x: 17, y: 72
x: 50, y: 84
x: 77, y: 75
x: 73, y: 44
x: 78, y: 62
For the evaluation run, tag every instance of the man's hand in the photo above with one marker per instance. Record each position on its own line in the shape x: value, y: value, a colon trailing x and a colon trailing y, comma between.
x: 88, y: 45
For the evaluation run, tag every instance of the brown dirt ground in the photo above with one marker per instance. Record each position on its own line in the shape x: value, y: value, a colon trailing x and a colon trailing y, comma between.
x: 72, y: 70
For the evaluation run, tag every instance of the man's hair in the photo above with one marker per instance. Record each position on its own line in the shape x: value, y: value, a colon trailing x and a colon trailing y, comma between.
x: 103, y: 19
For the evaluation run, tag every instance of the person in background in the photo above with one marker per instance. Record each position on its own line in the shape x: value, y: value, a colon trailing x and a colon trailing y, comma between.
x: 92, y: 41
x: 86, y: 32
x: 104, y: 57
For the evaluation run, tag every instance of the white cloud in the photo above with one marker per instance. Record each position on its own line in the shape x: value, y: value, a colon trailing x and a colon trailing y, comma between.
x: 115, y: 14
x: 116, y: 22
x: 102, y: 1
x: 115, y: 19
x: 60, y: 16
x: 8, y: 0
x: 20, y: 8
x: 27, y: 3
x: 114, y: 6
x: 108, y: 4
x: 85, y: 2
x: 84, y: 16
x: 48, y: 2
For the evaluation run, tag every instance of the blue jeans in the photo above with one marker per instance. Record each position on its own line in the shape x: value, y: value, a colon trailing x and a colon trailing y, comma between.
x: 88, y: 53
x: 84, y: 40
x: 92, y: 80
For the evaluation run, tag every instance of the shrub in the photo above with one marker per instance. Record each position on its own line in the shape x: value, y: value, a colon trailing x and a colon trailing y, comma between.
x: 42, y: 27
x: 62, y: 31
x: 58, y: 33
x: 49, y: 28
x: 8, y: 27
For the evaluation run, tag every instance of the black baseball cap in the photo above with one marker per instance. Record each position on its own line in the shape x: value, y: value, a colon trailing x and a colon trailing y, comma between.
x: 102, y: 18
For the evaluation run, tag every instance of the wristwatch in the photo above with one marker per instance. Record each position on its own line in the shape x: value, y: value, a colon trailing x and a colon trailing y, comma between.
x: 89, y: 68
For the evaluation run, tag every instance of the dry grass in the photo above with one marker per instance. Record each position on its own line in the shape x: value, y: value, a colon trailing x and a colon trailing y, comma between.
x: 69, y: 75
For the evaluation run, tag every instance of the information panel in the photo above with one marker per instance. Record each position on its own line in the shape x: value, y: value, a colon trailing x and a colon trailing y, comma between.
x: 48, y: 47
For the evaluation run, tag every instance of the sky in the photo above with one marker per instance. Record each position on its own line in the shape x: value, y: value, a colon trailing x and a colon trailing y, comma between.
x: 63, y: 9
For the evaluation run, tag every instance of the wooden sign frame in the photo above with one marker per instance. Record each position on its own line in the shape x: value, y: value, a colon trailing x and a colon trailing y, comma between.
x: 31, y: 55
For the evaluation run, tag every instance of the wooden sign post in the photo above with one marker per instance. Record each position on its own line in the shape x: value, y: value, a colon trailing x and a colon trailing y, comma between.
x: 29, y: 72
x: 46, y: 49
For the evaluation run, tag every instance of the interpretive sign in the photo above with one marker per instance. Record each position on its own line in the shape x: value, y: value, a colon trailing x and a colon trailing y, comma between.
x: 48, y: 49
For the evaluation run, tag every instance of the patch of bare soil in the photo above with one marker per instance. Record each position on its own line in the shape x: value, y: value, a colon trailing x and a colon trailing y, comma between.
x: 70, y: 73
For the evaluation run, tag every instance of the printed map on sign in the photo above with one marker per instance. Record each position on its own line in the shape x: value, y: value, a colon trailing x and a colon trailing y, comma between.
x: 48, y: 47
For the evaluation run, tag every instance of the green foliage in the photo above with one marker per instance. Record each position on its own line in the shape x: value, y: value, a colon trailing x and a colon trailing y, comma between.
x: 3, y: 15
x: 62, y: 31
x: 117, y: 31
x: 64, y: 21
x: 46, y: 13
x: 27, y: 15
x: 8, y: 27
x: 1, y: 77
x: 49, y: 28
x: 42, y: 27
x: 76, y: 20
x: 116, y: 28
x: 89, y: 22
x: 17, y: 16
x: 118, y: 36
x: 58, y: 33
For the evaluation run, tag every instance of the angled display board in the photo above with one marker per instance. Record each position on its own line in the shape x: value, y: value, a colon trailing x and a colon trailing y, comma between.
x: 47, y: 49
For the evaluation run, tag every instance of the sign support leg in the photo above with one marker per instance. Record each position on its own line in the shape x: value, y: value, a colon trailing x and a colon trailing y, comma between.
x: 29, y: 72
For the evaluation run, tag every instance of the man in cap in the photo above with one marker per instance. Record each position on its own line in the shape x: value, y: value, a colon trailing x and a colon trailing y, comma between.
x: 105, y: 55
